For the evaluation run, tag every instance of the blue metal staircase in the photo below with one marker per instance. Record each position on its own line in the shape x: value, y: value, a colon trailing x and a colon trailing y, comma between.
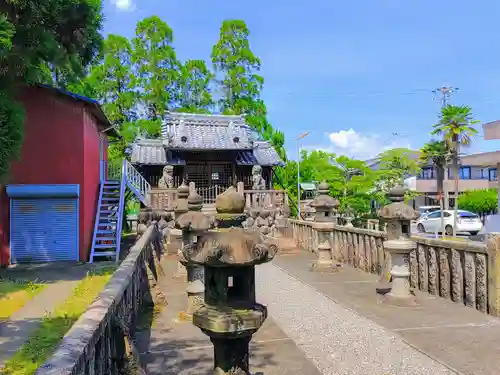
x: 108, y: 225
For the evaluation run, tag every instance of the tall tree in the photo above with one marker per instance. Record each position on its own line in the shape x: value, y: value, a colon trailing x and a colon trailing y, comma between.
x: 438, y: 154
x: 236, y: 68
x: 194, y: 87
x: 156, y: 70
x: 41, y: 44
x: 456, y: 126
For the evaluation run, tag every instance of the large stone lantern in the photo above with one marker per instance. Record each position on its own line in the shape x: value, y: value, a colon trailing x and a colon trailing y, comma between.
x: 193, y: 223
x: 324, y: 205
x: 230, y: 315
x: 398, y: 217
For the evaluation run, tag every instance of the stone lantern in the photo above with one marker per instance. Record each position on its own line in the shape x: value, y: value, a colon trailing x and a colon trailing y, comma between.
x: 193, y: 223
x: 398, y: 217
x: 324, y: 205
x: 230, y: 315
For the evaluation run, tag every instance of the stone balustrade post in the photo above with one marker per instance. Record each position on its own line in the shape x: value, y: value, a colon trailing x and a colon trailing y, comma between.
x: 399, y: 215
x: 493, y: 248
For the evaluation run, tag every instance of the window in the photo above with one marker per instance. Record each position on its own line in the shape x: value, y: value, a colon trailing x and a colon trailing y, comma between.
x: 492, y: 174
x: 464, y: 173
x: 427, y: 173
x: 434, y: 215
x: 215, y: 176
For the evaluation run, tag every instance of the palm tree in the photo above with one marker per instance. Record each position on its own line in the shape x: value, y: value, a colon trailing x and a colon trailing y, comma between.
x: 438, y: 153
x: 456, y: 126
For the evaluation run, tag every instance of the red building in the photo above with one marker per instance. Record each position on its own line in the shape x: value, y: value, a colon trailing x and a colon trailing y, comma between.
x: 48, y: 206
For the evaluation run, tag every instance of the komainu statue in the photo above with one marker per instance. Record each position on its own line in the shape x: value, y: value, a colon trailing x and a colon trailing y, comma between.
x: 258, y: 182
x: 167, y: 179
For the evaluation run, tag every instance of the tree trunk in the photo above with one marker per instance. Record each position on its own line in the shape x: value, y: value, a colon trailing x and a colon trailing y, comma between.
x: 456, y: 177
x: 440, y: 185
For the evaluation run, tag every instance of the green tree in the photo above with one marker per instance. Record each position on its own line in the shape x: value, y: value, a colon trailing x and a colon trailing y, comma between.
x: 352, y: 176
x: 236, y: 71
x: 456, y: 126
x: 156, y: 69
x: 194, y: 87
x: 53, y: 42
x: 395, y: 165
x: 481, y: 202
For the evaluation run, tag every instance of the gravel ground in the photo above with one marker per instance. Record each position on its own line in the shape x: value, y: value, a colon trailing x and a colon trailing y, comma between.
x: 336, y: 339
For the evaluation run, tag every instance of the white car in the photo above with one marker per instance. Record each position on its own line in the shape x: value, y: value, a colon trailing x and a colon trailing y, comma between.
x: 466, y: 222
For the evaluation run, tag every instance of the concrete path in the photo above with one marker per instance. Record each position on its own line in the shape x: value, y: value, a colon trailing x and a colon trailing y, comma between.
x: 328, y: 324
x: 338, y: 321
x: 60, y: 279
x: 175, y: 347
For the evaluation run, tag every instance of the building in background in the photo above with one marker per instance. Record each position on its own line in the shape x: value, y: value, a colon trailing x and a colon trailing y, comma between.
x: 48, y: 207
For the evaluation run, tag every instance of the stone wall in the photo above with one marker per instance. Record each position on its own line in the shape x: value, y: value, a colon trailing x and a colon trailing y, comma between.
x: 465, y: 272
x: 97, y: 342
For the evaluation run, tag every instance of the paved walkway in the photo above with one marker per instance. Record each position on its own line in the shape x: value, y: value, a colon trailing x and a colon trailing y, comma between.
x: 329, y: 324
x: 61, y: 280
x: 176, y: 347
x: 338, y: 321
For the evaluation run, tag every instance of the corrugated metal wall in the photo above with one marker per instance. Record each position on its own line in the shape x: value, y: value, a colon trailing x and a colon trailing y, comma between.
x: 44, y: 229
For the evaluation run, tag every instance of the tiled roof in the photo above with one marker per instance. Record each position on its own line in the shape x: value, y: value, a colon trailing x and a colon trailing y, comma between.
x: 266, y: 155
x: 152, y: 152
x: 206, y: 132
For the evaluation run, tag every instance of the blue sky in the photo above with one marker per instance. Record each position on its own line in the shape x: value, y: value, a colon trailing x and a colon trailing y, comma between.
x: 352, y: 72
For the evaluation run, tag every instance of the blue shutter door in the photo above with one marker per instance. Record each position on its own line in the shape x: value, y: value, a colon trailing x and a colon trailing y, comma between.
x: 44, y: 230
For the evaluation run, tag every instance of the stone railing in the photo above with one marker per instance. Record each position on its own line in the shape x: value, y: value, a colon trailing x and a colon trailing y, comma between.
x: 162, y: 199
x: 456, y: 270
x: 303, y: 234
x: 465, y: 272
x: 96, y: 343
x: 360, y: 248
x: 266, y: 198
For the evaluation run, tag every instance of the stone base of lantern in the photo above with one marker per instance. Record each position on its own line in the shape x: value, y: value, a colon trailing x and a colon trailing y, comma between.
x: 406, y: 301
x: 325, y: 262
x: 231, y: 355
x: 400, y: 293
x: 324, y: 267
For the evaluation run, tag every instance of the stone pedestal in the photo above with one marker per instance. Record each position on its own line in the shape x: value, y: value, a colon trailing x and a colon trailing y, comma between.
x: 325, y: 262
x: 400, y: 293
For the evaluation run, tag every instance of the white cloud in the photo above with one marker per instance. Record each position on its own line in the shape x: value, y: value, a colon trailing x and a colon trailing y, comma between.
x: 361, y: 146
x: 125, y: 5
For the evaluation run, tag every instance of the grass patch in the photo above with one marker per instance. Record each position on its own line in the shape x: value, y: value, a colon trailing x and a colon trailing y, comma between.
x: 14, y: 295
x: 54, y: 326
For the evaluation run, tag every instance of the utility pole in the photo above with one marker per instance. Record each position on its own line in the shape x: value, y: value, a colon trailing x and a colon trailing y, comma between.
x: 445, y: 93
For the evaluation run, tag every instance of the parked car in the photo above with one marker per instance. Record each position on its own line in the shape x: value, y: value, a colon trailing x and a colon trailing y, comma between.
x: 466, y: 222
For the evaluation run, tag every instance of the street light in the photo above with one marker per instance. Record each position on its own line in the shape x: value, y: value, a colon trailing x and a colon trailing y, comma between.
x: 298, y: 170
